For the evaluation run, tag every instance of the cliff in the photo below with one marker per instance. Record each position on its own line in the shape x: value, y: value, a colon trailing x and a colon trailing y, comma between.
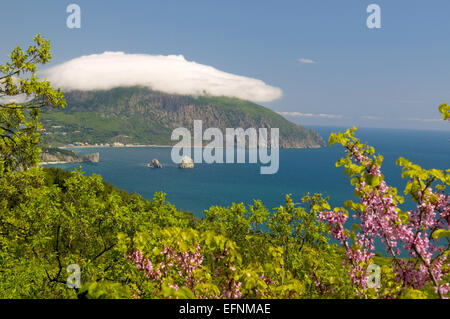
x: 142, y: 116
x: 55, y: 155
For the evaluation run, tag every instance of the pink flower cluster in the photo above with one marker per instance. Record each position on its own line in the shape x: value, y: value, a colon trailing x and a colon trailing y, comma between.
x: 232, y: 290
x: 381, y: 219
x: 185, y: 263
x: 144, y: 264
x: 336, y: 220
x: 357, y: 257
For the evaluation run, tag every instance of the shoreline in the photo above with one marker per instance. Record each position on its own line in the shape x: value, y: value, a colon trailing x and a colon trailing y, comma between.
x: 107, y: 146
x: 170, y: 146
x: 55, y: 163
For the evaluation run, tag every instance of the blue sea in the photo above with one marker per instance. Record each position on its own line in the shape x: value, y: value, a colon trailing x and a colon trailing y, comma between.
x: 300, y: 171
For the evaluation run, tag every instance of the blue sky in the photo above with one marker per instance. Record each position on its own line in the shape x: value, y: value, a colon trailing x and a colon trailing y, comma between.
x: 393, y: 77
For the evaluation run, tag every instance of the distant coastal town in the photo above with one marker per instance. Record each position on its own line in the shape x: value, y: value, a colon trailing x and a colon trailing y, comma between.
x: 115, y: 144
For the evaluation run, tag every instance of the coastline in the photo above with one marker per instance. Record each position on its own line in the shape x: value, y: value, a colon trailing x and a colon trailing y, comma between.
x: 55, y: 163
x: 169, y: 146
x: 107, y: 146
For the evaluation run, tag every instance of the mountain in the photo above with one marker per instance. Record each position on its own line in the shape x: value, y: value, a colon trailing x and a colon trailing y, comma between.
x: 137, y: 115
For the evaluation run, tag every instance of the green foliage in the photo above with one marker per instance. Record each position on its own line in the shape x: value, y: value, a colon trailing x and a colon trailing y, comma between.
x: 19, y: 121
x: 420, y: 179
x: 59, y: 152
x: 293, y: 233
x: 445, y: 111
x: 51, y: 218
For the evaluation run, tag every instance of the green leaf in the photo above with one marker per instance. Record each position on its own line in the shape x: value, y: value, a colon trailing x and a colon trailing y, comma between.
x: 373, y: 180
x: 438, y: 234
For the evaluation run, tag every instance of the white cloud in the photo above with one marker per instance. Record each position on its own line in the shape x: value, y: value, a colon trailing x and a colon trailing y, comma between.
x: 321, y: 115
x: 371, y: 117
x: 425, y: 120
x: 171, y: 74
x: 307, y: 61
x: 21, y: 98
x: 412, y: 102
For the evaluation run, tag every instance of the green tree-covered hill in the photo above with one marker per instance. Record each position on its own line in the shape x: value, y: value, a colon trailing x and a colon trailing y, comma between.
x: 140, y: 115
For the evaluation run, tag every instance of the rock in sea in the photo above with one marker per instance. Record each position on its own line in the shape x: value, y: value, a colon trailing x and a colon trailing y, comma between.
x: 93, y: 158
x: 154, y: 164
x: 186, y: 162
